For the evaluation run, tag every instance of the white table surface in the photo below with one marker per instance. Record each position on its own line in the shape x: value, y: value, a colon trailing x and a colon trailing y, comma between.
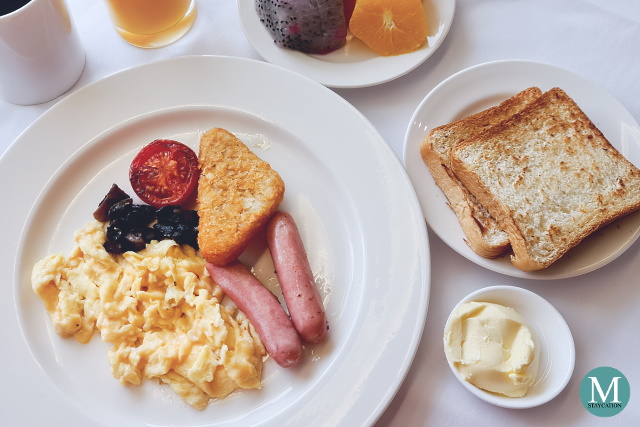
x: 597, y: 39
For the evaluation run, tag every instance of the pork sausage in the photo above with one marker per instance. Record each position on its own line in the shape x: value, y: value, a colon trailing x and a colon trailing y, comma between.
x: 296, y: 278
x: 263, y: 309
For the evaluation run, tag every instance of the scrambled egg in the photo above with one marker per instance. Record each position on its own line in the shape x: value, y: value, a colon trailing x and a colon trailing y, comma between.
x: 159, y: 308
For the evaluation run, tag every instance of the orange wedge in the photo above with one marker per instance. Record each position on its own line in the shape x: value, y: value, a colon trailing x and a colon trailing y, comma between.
x: 390, y: 27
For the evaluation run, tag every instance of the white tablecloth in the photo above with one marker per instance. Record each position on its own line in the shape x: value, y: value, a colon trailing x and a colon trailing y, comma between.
x: 597, y: 39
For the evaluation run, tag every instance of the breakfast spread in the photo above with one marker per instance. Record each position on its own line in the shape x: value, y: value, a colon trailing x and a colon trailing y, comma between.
x: 492, y: 347
x: 387, y: 27
x: 163, y: 285
x: 545, y: 174
x: 152, y: 278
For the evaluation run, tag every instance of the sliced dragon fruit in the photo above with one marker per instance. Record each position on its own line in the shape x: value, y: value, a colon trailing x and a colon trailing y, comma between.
x: 310, y: 26
x: 349, y: 5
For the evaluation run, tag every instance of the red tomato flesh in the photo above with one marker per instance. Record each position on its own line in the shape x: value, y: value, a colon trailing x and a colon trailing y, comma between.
x: 164, y: 172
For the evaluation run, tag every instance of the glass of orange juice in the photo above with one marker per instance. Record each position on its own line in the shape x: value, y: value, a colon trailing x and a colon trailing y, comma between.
x: 151, y: 23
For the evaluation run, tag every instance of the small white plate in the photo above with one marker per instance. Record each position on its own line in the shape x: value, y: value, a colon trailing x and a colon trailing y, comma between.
x: 557, y: 349
x: 354, y: 65
x: 486, y: 85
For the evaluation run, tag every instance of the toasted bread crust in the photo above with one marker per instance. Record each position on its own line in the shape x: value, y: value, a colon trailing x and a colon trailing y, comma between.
x: 237, y: 194
x: 482, y: 232
x: 549, y: 177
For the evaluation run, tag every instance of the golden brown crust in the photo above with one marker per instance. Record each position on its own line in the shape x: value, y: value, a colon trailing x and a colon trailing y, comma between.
x: 482, y: 232
x: 237, y: 194
x: 474, y: 224
x: 549, y: 177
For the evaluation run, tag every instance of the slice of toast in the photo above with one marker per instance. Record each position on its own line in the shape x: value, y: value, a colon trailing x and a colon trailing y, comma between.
x: 549, y: 177
x: 237, y: 194
x: 482, y: 232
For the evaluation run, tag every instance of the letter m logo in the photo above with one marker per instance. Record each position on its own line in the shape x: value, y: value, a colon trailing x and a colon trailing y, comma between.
x: 595, y: 387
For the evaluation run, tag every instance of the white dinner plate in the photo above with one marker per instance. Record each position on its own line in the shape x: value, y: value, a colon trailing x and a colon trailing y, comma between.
x: 352, y: 200
x: 556, y: 348
x: 354, y: 65
x: 486, y: 85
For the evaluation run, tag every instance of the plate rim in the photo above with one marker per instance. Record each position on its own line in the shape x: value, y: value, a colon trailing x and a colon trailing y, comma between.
x: 423, y: 284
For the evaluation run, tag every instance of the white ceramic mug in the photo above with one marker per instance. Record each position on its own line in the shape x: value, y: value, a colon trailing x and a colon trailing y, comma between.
x: 41, y: 55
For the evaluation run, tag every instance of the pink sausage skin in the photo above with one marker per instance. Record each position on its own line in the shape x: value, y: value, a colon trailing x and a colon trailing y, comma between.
x: 263, y: 310
x: 296, y: 278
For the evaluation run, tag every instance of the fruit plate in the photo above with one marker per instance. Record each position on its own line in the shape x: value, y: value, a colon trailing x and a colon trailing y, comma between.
x: 363, y: 230
x: 354, y: 65
x: 482, y: 86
